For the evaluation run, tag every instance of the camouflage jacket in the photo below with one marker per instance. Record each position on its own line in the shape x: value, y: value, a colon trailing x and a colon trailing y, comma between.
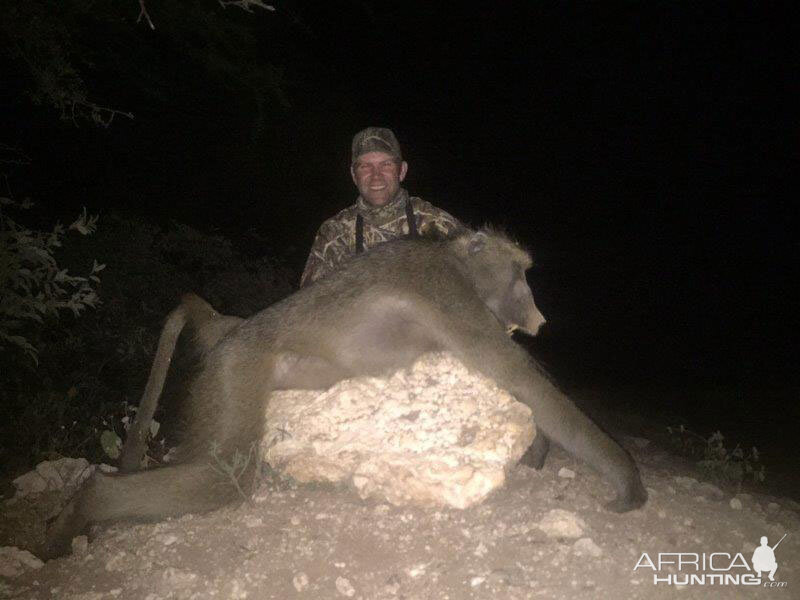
x: 336, y: 238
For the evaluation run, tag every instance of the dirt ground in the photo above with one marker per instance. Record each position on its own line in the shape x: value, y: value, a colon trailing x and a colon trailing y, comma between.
x: 323, y: 542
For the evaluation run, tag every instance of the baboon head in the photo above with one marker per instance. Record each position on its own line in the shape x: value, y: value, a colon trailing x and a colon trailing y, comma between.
x: 497, y: 266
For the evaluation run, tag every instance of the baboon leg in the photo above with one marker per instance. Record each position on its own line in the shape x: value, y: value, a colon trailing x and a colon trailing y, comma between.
x: 136, y: 440
x: 536, y: 454
x: 144, y: 495
x: 209, y: 327
x: 295, y: 372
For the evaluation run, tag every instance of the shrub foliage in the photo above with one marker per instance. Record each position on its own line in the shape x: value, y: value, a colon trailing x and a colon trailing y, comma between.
x: 69, y: 374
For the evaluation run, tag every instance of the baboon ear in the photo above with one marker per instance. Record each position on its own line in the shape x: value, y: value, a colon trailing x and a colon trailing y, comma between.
x: 476, y: 243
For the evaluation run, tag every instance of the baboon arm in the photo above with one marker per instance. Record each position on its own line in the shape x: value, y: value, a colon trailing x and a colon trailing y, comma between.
x: 557, y: 417
x: 484, y: 347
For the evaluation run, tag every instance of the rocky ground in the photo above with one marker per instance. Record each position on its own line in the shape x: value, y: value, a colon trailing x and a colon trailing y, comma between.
x: 543, y: 535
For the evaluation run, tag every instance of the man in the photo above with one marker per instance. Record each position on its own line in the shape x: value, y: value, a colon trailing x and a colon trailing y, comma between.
x: 383, y: 210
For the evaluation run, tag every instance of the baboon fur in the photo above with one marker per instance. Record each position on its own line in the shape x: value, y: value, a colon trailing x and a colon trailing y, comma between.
x: 207, y: 327
x: 378, y: 313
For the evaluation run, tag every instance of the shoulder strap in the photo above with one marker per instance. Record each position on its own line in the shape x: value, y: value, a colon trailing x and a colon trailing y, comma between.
x: 359, y: 234
x: 412, y: 222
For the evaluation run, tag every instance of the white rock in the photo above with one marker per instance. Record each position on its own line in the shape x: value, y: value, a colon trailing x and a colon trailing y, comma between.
x: 710, y: 491
x: 178, y: 578
x: 29, y: 483
x: 566, y: 473
x: 587, y: 547
x: 80, y: 545
x: 686, y: 482
x: 14, y: 562
x: 736, y: 504
x: 166, y: 539
x: 300, y: 581
x: 431, y: 435
x: 121, y: 561
x: 559, y: 523
x: 344, y: 587
x: 53, y: 475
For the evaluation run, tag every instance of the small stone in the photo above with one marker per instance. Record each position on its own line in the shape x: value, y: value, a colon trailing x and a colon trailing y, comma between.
x: 686, y: 482
x: 587, y: 547
x: 118, y: 562
x: 251, y: 521
x: 773, y: 507
x: 80, y: 545
x: 566, y: 473
x: 476, y: 581
x: 344, y: 587
x: 710, y: 491
x: 177, y: 578
x: 735, y: 504
x: 14, y: 562
x: 559, y: 523
x: 392, y: 585
x: 300, y: 581
x: 417, y: 570
x: 167, y: 538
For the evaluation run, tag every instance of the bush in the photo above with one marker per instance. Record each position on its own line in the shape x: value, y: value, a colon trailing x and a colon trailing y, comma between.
x: 32, y: 285
x: 92, y: 369
x: 715, y: 461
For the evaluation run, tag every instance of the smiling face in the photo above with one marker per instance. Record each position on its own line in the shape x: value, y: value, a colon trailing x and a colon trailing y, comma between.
x: 377, y: 176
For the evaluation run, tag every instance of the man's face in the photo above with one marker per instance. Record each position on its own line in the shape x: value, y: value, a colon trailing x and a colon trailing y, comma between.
x: 377, y: 176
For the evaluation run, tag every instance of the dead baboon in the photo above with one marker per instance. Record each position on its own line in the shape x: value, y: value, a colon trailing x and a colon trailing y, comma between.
x: 208, y: 327
x: 379, y: 312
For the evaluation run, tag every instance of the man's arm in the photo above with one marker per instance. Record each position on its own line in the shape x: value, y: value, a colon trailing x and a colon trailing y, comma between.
x: 433, y: 216
x: 327, y: 252
x: 315, y: 263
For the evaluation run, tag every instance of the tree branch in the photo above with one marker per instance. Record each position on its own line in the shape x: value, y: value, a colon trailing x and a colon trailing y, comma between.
x: 143, y: 13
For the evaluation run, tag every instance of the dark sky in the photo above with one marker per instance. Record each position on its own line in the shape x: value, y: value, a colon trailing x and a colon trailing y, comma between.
x: 641, y: 150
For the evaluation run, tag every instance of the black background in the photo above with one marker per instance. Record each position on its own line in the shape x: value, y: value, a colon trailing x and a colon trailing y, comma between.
x: 642, y: 151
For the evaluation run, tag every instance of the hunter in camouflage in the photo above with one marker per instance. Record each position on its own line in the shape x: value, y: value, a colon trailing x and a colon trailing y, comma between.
x: 383, y: 211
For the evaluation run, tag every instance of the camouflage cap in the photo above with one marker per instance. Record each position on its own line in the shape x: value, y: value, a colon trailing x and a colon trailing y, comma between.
x: 375, y: 139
